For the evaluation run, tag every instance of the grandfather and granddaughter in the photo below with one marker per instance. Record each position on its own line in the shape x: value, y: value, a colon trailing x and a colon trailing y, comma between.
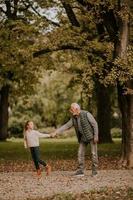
x: 86, y: 129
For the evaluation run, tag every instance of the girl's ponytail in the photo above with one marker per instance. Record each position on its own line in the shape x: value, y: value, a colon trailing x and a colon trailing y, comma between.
x: 26, y: 126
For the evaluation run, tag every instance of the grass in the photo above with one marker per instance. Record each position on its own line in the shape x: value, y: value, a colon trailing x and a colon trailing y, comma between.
x: 53, y: 149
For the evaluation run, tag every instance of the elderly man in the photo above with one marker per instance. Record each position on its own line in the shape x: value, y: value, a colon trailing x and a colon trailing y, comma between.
x: 87, y: 132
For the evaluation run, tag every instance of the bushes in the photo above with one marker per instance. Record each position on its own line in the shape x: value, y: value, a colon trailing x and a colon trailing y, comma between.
x: 116, y: 132
x: 16, y: 124
x: 15, y: 128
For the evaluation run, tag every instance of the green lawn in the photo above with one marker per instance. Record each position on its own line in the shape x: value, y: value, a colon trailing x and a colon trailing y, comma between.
x: 53, y: 149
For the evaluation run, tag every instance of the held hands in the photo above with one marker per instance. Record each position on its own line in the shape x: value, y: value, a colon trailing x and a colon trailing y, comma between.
x: 53, y: 134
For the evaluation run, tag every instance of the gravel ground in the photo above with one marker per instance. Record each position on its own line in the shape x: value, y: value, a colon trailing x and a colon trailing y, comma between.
x: 25, y: 185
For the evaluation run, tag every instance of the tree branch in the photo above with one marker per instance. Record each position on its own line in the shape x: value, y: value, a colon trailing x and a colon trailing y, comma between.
x: 15, y: 8
x: 8, y: 9
x: 43, y: 17
x: 2, y: 10
x: 85, y: 4
x: 48, y: 50
x: 71, y: 15
x: 109, y: 22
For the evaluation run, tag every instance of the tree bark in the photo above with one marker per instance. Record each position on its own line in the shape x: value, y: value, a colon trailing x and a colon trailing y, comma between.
x: 123, y: 105
x: 126, y: 107
x: 4, y: 95
x: 125, y: 100
x: 11, y: 14
x: 103, y: 95
x: 130, y: 152
x: 70, y: 14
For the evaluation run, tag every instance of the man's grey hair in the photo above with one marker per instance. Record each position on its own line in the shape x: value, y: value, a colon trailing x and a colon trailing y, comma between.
x: 75, y: 106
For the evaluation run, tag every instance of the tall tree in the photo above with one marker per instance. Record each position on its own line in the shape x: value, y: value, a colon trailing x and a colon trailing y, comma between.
x: 103, y: 93
x: 125, y: 94
x: 18, y: 71
x: 115, y: 20
x: 111, y: 19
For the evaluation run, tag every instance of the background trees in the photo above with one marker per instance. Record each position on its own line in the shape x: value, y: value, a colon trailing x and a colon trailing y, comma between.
x: 19, y: 72
x: 88, y: 40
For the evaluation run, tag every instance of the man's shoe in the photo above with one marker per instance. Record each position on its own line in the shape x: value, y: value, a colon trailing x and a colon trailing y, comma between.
x: 79, y: 173
x: 48, y: 169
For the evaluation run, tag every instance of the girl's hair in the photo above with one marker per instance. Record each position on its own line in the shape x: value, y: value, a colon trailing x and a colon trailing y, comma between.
x: 26, y: 125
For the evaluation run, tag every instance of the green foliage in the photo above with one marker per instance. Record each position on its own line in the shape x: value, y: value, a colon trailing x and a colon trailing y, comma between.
x: 49, y: 106
x: 15, y: 127
x: 116, y: 132
x: 122, y: 69
x: 85, y: 37
x: 31, y: 31
x: 18, y: 68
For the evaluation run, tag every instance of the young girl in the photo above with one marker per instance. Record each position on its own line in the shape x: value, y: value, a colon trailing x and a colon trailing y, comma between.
x: 31, y: 140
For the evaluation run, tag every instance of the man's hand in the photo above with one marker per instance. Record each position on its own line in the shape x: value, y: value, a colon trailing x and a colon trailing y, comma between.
x: 95, y: 140
x: 53, y: 134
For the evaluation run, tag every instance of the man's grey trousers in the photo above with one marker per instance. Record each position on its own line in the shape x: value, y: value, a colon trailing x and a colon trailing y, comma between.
x: 81, y: 155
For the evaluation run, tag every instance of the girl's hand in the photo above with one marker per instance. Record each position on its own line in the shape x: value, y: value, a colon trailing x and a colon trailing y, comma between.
x: 53, y: 134
x: 25, y: 145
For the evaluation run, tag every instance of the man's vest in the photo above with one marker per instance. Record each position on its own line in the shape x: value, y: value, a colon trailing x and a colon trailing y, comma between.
x: 85, y: 132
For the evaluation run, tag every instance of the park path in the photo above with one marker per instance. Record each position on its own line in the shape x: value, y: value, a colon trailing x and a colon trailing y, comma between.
x: 25, y: 185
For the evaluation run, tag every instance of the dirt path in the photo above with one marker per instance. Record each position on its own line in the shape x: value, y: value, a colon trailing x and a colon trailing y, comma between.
x: 25, y: 185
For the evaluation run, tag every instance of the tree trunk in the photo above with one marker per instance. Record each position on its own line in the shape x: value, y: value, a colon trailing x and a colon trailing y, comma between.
x: 4, y: 94
x: 11, y: 14
x: 104, y: 113
x: 130, y: 151
x: 125, y: 100
x: 123, y: 105
x: 126, y: 107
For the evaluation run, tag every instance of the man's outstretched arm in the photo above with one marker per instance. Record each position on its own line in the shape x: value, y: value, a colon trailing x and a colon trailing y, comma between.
x: 63, y: 128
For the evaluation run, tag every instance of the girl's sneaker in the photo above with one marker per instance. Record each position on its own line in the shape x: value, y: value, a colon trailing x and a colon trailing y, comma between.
x: 48, y: 169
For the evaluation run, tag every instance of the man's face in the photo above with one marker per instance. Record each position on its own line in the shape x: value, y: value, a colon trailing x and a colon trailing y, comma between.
x: 74, y: 111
